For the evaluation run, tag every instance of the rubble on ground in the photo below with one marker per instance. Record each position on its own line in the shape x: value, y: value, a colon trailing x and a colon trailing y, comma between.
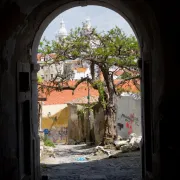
x: 71, y: 142
x: 49, y: 151
x: 131, y: 144
x: 101, y: 149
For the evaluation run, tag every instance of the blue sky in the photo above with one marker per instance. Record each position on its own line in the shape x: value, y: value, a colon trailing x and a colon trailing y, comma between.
x: 102, y: 18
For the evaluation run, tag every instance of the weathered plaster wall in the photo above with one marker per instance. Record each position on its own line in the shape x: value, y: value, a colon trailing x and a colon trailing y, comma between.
x: 57, y: 125
x: 53, y: 109
x: 98, y: 126
x: 79, y: 129
x: 128, y: 116
x: 76, y: 125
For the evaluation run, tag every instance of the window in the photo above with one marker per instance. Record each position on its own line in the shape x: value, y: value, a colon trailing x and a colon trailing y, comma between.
x: 42, y: 58
x: 51, y: 76
x: 42, y: 76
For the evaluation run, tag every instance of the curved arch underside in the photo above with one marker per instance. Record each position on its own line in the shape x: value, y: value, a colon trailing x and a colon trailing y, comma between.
x: 23, y: 23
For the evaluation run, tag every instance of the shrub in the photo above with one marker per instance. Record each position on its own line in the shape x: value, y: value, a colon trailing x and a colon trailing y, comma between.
x: 48, y: 142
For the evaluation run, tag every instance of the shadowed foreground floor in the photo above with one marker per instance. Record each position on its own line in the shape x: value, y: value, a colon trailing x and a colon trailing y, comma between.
x: 65, y: 165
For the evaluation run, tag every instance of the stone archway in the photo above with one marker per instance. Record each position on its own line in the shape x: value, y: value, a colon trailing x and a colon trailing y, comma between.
x: 23, y: 38
x: 143, y: 35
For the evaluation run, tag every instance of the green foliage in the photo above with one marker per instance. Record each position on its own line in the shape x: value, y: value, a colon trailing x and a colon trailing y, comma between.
x: 48, y: 142
x: 39, y: 79
x: 45, y: 47
x: 125, y: 75
x: 113, y: 48
x: 100, y: 86
x: 83, y: 111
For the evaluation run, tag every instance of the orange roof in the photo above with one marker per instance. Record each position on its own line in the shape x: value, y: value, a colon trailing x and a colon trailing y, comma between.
x: 66, y: 96
x: 81, y: 69
x: 52, y: 55
x: 40, y: 55
x: 118, y: 73
x: 128, y: 86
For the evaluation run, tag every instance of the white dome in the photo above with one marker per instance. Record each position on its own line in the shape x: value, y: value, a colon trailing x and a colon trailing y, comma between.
x: 62, y: 30
x: 88, y: 23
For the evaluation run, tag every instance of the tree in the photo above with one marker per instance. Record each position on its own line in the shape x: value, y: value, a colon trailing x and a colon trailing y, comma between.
x: 102, y: 51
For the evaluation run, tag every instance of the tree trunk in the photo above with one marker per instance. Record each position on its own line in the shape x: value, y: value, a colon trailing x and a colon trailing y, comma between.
x: 110, y: 126
x: 110, y: 132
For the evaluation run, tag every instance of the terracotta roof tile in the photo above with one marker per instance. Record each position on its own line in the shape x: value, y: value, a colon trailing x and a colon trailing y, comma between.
x: 118, y: 73
x: 81, y: 69
x: 39, y: 55
x: 66, y: 96
x: 53, y: 55
x: 128, y: 86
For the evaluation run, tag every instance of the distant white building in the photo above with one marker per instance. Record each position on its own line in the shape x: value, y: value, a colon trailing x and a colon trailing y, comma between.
x: 49, y: 69
x: 81, y: 72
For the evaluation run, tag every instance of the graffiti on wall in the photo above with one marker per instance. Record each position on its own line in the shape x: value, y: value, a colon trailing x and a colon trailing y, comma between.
x: 120, y: 125
x: 58, y: 134
x: 129, y: 120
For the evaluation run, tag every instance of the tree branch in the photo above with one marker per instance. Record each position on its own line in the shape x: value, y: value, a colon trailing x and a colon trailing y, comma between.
x: 127, y: 79
x: 61, y: 88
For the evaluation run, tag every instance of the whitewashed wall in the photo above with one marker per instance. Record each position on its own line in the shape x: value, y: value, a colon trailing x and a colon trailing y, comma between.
x: 53, y: 109
x: 128, y: 108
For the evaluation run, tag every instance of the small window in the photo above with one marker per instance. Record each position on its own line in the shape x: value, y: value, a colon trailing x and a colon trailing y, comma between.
x: 51, y: 76
x: 42, y: 58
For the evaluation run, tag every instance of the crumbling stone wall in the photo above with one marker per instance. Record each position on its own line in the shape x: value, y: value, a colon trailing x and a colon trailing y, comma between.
x: 76, y: 125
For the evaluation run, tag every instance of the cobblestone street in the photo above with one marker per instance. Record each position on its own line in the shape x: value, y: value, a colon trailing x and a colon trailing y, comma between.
x: 65, y: 165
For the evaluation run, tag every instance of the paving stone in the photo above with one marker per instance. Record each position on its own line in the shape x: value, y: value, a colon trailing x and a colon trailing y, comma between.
x: 66, y: 167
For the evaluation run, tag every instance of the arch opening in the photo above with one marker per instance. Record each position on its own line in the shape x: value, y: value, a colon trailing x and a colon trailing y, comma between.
x: 41, y: 33
x: 144, y: 30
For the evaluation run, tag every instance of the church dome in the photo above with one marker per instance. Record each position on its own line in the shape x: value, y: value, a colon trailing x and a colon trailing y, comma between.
x: 87, y: 29
x: 88, y: 24
x: 62, y: 31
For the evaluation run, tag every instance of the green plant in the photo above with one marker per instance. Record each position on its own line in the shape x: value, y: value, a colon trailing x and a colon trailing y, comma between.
x: 48, y: 142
